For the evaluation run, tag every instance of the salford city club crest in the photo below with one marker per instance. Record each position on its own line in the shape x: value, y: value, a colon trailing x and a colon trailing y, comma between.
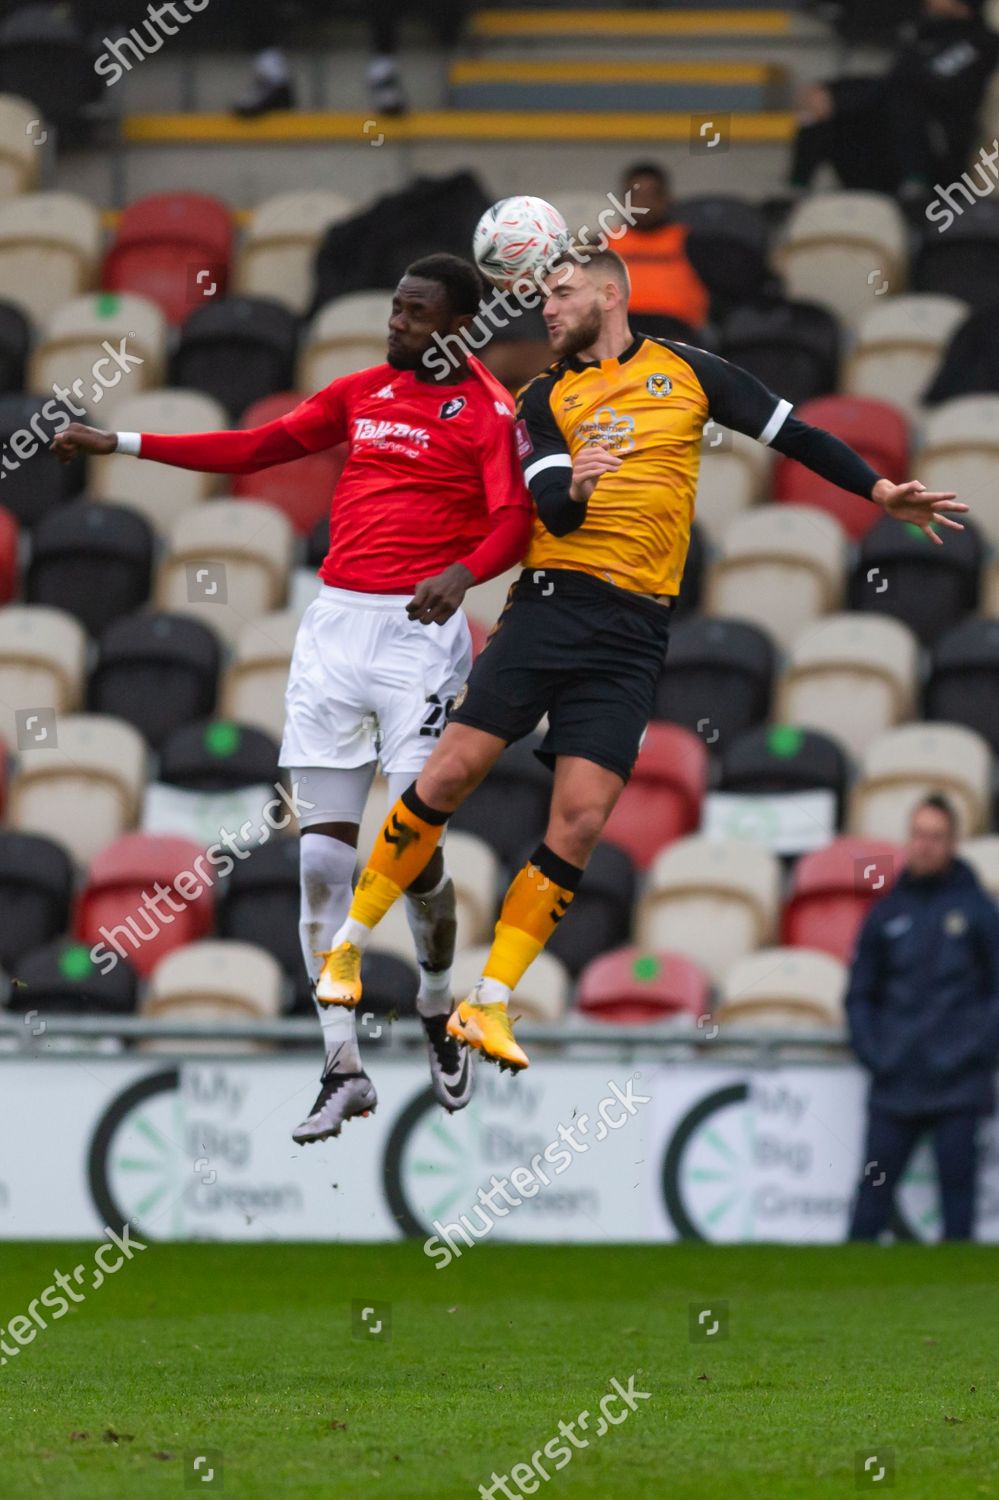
x: 658, y: 384
x: 452, y: 408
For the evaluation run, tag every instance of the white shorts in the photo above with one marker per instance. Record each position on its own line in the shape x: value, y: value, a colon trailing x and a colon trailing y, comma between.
x: 368, y: 684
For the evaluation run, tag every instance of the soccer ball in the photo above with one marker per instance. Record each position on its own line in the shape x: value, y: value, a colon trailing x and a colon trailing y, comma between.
x: 516, y: 238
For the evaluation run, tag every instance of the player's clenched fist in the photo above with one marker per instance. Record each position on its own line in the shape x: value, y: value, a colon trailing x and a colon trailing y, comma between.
x: 80, y: 439
x: 589, y: 465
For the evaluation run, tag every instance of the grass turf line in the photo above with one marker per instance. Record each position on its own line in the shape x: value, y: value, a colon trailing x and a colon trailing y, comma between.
x: 249, y: 1350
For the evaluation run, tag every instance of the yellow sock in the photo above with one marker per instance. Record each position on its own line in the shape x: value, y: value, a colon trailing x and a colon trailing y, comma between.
x: 404, y: 847
x: 534, y: 905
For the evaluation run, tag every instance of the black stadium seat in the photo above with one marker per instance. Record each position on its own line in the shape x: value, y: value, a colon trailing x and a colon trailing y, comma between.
x: 964, y: 261
x: 94, y: 560
x: 36, y: 888
x: 158, y: 671
x: 793, y: 347
x: 390, y: 984
x: 963, y: 687
x: 44, y: 57
x: 510, y: 808
x: 693, y: 576
x: 15, y: 341
x: 238, y: 350
x: 216, y: 756
x: 600, y: 915
x: 36, y: 483
x: 784, y: 758
x: 260, y: 904
x: 901, y: 572
x: 61, y: 978
x: 718, y: 678
x: 318, y: 543
x: 728, y: 246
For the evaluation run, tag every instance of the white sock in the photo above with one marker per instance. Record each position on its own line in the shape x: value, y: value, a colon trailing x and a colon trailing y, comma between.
x: 431, y: 917
x: 271, y: 66
x: 491, y: 992
x: 326, y: 867
x: 382, y: 68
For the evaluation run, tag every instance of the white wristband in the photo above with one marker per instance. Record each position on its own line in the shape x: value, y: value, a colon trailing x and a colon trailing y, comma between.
x: 130, y: 443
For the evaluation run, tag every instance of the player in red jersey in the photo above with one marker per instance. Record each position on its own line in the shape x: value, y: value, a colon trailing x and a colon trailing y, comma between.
x: 430, y: 502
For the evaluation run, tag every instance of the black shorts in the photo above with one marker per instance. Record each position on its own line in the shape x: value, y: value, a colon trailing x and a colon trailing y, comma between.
x: 581, y: 650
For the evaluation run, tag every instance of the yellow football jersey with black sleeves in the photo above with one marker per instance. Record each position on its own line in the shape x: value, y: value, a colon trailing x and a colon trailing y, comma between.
x: 650, y: 406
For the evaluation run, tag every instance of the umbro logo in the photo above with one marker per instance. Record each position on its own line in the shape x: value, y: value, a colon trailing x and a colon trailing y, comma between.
x: 386, y: 393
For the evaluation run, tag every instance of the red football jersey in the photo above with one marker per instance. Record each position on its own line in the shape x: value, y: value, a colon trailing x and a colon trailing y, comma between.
x: 426, y: 467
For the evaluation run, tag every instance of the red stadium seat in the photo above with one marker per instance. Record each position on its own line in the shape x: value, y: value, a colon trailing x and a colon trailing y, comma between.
x: 8, y: 556
x: 832, y: 890
x: 302, y: 488
x: 175, y: 249
x: 662, y: 801
x: 118, y: 877
x: 878, y: 431
x: 480, y: 634
x: 633, y: 986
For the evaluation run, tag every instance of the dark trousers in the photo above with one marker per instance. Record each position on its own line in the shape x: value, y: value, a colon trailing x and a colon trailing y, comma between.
x: 891, y: 1140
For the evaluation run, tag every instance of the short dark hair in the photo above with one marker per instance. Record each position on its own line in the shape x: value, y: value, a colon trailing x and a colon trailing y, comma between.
x: 602, y: 259
x: 941, y: 804
x: 459, y: 278
x: 649, y: 169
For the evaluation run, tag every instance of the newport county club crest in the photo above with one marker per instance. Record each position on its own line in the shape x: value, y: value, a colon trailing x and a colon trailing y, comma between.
x: 658, y: 384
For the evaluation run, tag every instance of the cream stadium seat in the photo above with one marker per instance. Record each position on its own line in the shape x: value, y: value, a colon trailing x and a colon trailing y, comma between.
x: 734, y: 474
x: 49, y: 245
x: 485, y: 601
x: 213, y: 983
x: 581, y: 210
x: 783, y: 987
x: 542, y: 995
x: 84, y: 790
x: 476, y: 873
x: 71, y: 351
x: 900, y: 342
x: 229, y: 561
x: 781, y: 566
x: 960, y: 451
x: 713, y: 901
x: 158, y: 491
x: 346, y: 335
x: 844, y: 250
x: 904, y: 764
x: 851, y: 676
x: 20, y: 139
x: 982, y: 855
x: 253, y: 689
x: 279, y: 246
x: 42, y: 663
x: 990, y: 589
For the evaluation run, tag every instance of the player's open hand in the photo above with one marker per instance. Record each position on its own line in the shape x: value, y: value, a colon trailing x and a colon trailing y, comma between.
x: 922, y: 507
x: 436, y: 599
x: 80, y: 439
x: 589, y: 465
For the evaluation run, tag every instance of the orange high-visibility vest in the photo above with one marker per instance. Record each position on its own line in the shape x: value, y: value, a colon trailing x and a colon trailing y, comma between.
x: 662, y: 279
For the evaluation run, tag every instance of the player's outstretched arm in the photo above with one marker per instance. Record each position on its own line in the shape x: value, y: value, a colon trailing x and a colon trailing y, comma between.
x: 209, y: 452
x: 924, y: 508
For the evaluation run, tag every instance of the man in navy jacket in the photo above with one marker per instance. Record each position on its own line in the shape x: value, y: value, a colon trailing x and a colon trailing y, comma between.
x: 923, y: 1012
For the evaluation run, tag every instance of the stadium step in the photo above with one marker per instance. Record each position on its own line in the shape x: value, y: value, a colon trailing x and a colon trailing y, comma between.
x: 625, y: 86
x: 679, y: 22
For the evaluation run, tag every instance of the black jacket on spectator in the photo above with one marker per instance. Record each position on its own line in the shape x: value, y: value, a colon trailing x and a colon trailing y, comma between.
x: 923, y: 1001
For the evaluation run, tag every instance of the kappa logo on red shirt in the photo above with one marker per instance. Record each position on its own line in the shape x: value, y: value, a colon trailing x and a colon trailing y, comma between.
x: 452, y: 408
x: 524, y: 444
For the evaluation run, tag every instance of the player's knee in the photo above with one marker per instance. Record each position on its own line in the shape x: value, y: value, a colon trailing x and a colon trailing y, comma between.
x: 579, y: 824
x: 447, y: 779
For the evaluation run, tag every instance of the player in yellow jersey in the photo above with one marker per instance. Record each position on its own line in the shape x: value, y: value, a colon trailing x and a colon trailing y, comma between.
x: 610, y: 439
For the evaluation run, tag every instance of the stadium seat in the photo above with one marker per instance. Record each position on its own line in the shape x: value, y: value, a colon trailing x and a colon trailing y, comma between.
x: 74, y: 344
x: 301, y: 489
x: 851, y: 676
x: 78, y: 546
x: 84, y: 790
x: 254, y: 686
x: 173, y: 248
x: 237, y: 351
x: 279, y: 245
x: 601, y: 912
x: 900, y: 572
x: 781, y: 566
x: 49, y: 244
x: 39, y: 481
x: 982, y: 854
x: 876, y: 430
x: 475, y: 870
x: 582, y: 209
x: 967, y: 367
x: 346, y: 335
x: 42, y: 654
x: 36, y: 888
x: 45, y: 57
x: 479, y: 633
x: 900, y: 342
x: 782, y: 758
x: 217, y: 755
x: 8, y: 556
x: 259, y: 903
x: 15, y: 341
x: 112, y: 909
x: 487, y: 600
x: 19, y: 129
x: 542, y: 995
x: 717, y: 678
x: 734, y: 474
x: 904, y: 764
x: 783, y: 987
x: 832, y: 890
x: 728, y: 246
x: 688, y: 601
x: 632, y: 986
x: 963, y: 686
x: 712, y: 901
x: 157, y: 671
x: 960, y: 451
x: 509, y: 810
x: 158, y: 491
x: 61, y: 979
x: 662, y: 801
x: 228, y: 563
x: 793, y: 347
x: 844, y: 249
x: 214, y: 982
x: 964, y: 262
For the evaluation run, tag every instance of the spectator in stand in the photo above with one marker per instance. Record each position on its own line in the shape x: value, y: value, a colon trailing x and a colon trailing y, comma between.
x: 923, y: 1013
x: 665, y: 289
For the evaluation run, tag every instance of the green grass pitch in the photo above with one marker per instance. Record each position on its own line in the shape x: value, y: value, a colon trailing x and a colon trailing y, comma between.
x: 253, y: 1352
